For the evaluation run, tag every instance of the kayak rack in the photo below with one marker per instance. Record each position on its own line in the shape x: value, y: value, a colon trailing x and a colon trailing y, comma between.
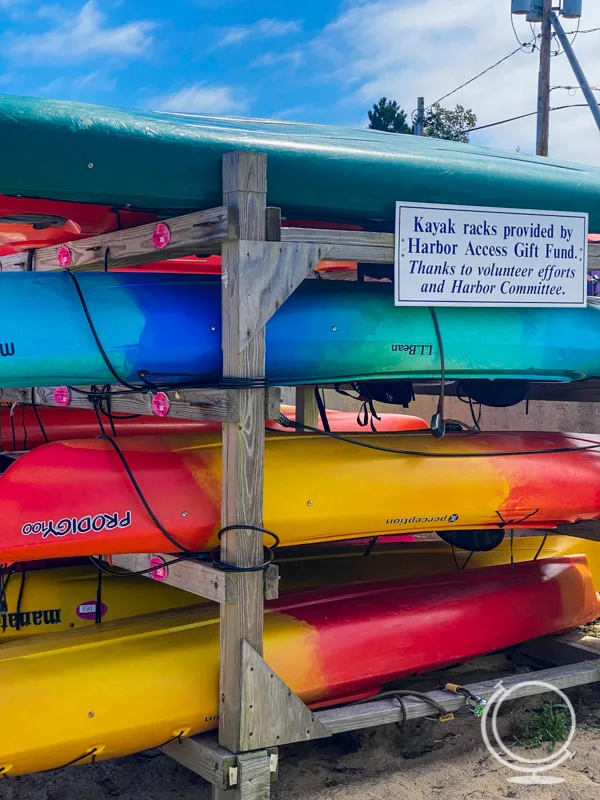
x: 262, y: 265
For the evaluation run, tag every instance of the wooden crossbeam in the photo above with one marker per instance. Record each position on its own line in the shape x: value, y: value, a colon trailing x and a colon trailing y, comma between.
x: 187, y: 235
x: 382, y: 712
x: 204, y: 232
x: 217, y: 405
x: 196, y: 577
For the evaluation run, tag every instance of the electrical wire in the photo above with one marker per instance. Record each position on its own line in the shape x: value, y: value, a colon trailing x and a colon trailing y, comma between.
x: 483, y: 72
x: 522, y: 116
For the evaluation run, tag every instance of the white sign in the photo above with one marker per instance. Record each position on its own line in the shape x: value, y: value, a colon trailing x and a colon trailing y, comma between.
x: 475, y: 256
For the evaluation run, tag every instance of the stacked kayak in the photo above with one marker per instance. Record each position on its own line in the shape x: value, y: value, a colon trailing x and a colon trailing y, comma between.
x: 93, y: 692
x: 23, y: 427
x: 54, y: 599
x: 316, y: 489
x: 168, y: 328
x: 102, y: 155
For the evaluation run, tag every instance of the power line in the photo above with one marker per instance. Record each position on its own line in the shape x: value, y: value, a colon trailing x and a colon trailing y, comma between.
x: 522, y: 116
x: 479, y: 74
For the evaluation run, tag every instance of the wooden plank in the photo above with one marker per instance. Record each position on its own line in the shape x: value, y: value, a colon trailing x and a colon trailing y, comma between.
x: 377, y: 248
x: 204, y: 756
x: 189, y: 234
x: 307, y: 411
x: 271, y: 713
x: 569, y: 648
x: 382, y: 712
x: 195, y: 577
x: 273, y: 270
x: 244, y: 187
x: 587, y: 529
x: 191, y: 576
x: 218, y: 405
x: 594, y: 255
x: 254, y: 776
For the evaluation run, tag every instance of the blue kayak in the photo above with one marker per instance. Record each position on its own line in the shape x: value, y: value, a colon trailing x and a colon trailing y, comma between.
x: 168, y: 327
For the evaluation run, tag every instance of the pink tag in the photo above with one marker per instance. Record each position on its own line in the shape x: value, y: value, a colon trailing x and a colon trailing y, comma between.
x: 161, y: 571
x: 64, y: 256
x: 161, y: 236
x: 62, y: 396
x: 160, y: 404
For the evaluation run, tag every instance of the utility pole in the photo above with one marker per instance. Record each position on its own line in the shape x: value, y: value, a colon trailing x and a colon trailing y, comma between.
x: 420, y: 118
x: 543, y: 108
x: 576, y: 67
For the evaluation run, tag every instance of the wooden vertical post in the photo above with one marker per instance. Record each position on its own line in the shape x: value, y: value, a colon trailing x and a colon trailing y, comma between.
x: 307, y: 411
x: 245, y: 187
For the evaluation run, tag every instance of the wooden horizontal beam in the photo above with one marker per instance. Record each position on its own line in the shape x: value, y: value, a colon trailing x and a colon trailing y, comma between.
x: 178, y: 236
x: 204, y: 232
x: 217, y: 405
x: 204, y: 756
x: 196, y: 577
x: 382, y: 712
x: 377, y: 248
x: 569, y: 648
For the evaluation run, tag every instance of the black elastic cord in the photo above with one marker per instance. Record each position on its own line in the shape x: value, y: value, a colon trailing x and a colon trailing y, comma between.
x: 98, y: 615
x: 322, y: 410
x: 288, y: 423
x: 94, y: 333
x: 106, y: 257
x: 269, y: 551
x: 399, y: 695
x: 541, y: 547
x: 438, y: 424
x: 505, y: 523
x: 189, y: 554
x: 73, y: 761
x: 24, y: 426
x: 371, y: 546
x: 142, y: 498
x: 36, y: 411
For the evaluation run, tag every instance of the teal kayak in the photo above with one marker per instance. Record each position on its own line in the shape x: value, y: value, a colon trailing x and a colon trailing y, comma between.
x: 168, y: 329
x: 171, y: 163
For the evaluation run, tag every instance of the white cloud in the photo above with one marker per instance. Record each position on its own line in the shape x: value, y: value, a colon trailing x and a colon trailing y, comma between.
x: 427, y: 47
x: 84, y: 37
x: 200, y: 99
x: 261, y: 29
x: 292, y: 57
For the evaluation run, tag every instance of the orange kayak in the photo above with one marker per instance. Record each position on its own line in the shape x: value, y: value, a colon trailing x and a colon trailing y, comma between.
x: 20, y: 428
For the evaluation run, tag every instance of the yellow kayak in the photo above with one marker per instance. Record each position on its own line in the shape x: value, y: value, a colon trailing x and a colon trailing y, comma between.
x: 63, y: 598
x: 125, y: 686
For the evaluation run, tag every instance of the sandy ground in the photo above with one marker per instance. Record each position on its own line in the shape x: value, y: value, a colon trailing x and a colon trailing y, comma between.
x: 425, y: 760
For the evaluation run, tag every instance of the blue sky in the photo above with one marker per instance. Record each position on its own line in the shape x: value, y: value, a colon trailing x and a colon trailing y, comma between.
x: 314, y: 60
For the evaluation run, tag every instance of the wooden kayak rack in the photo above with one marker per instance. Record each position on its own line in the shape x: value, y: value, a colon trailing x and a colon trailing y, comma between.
x: 262, y: 264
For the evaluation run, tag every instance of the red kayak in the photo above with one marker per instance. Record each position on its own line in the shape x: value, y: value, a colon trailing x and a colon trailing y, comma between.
x: 98, y: 691
x: 27, y: 223
x: 20, y: 429
x: 75, y: 498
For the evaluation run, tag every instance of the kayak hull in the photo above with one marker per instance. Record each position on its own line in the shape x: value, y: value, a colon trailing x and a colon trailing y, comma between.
x: 316, y: 489
x: 169, y: 327
x: 20, y: 428
x: 96, y: 154
x: 99, y: 690
x: 61, y: 598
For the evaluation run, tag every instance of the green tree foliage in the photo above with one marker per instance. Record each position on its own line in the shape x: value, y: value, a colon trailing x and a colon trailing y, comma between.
x: 439, y: 123
x: 388, y: 116
x: 449, y: 123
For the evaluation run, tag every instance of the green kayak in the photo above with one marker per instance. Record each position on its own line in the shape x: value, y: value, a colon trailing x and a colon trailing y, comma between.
x: 171, y: 163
